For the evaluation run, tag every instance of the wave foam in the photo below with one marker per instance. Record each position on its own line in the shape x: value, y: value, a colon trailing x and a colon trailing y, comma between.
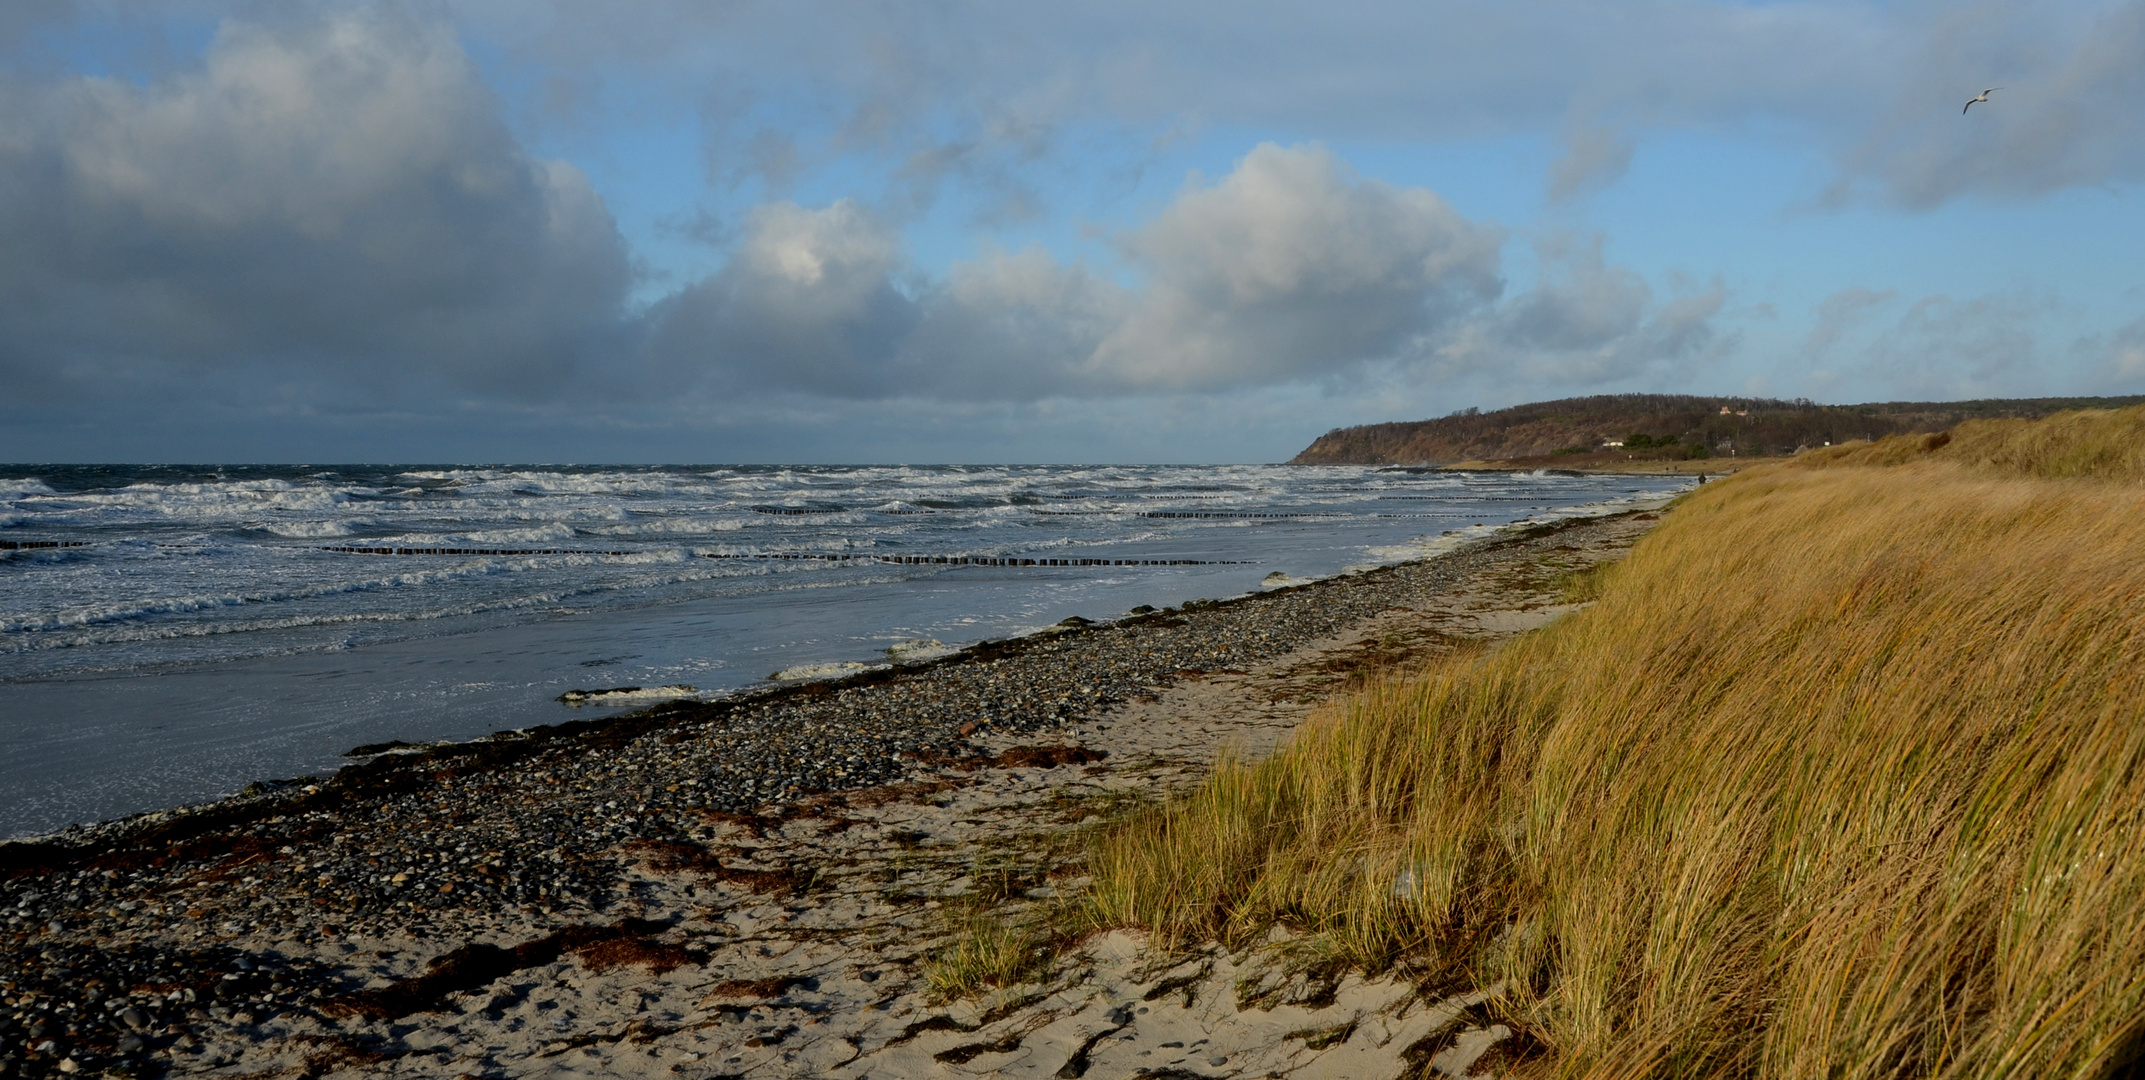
x: 918, y: 650
x: 628, y: 695
x: 823, y: 671
x: 12, y: 489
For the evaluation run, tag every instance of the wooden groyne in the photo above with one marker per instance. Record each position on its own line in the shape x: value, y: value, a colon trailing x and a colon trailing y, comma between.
x: 981, y: 560
x: 895, y: 560
x: 469, y: 551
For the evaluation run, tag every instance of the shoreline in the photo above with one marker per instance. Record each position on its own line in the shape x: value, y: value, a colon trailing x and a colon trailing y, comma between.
x: 511, y: 842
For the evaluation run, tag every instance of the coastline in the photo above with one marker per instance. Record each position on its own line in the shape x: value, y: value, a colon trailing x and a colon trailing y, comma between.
x: 513, y: 841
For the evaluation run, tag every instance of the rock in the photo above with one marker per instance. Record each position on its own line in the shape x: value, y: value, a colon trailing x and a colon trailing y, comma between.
x: 133, y: 1018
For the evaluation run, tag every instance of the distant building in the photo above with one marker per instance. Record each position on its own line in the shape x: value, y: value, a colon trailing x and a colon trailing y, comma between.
x: 1613, y: 444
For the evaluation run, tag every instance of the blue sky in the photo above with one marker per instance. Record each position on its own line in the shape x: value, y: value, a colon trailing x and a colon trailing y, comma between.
x: 556, y: 230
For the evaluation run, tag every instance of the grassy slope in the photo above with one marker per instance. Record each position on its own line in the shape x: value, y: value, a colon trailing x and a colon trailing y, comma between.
x: 1843, y: 775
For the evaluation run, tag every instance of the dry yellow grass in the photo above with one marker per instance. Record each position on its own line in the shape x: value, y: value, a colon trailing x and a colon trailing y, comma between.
x: 1843, y: 775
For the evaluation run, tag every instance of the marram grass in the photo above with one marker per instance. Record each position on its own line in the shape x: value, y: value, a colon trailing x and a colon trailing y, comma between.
x: 1843, y: 775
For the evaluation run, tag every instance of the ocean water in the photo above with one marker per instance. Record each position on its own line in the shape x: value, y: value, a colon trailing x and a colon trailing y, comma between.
x: 197, y: 628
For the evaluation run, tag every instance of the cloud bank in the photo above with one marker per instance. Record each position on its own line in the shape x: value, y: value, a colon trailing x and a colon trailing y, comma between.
x: 1291, y: 267
x: 337, y: 212
x: 339, y: 198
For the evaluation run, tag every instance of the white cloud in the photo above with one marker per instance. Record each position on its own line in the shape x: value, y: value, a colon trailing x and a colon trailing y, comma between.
x: 1290, y: 267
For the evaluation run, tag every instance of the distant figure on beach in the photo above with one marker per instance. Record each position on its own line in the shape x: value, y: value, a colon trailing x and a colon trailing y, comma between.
x: 1983, y: 97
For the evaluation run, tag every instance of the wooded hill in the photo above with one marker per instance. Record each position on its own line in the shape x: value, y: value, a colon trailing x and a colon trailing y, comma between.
x: 1676, y: 424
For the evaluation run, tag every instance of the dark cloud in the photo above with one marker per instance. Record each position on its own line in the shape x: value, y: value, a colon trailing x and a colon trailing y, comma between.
x: 1018, y: 325
x: 339, y: 197
x: 807, y: 301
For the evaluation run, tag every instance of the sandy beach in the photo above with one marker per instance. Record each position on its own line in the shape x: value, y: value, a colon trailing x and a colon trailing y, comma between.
x: 758, y: 887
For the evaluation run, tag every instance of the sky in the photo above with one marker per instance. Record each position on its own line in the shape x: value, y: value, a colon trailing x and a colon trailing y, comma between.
x: 707, y: 231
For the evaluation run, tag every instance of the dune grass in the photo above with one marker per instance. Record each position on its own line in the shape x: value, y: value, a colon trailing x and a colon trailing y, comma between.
x: 988, y: 949
x: 1842, y: 775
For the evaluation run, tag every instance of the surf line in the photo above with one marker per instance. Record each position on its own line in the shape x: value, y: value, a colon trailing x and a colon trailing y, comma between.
x: 979, y: 560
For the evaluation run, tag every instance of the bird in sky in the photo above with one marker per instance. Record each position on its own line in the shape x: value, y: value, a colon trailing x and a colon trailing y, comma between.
x: 1984, y: 97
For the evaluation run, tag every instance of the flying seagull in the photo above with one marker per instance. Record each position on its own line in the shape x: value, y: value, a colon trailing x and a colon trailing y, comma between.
x: 1984, y: 97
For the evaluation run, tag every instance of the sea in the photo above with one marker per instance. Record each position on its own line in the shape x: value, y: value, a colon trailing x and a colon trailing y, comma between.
x: 170, y: 634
